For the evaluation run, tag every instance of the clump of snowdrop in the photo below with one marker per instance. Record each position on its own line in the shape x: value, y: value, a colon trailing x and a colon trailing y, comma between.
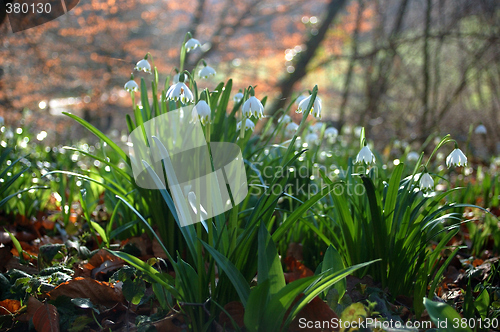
x: 249, y: 125
x: 131, y: 86
x: 456, y: 158
x: 206, y: 71
x: 192, y: 44
x: 201, y: 111
x: 315, y: 110
x: 365, y: 156
x: 143, y: 65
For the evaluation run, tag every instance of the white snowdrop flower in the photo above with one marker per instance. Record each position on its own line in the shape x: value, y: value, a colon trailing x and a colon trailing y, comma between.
x: 254, y: 107
x: 315, y: 110
x: 179, y: 91
x: 331, y: 132
x: 481, y: 129
x: 285, y: 118
x: 143, y: 65
x: 201, y: 111
x: 456, y: 158
x: 131, y: 86
x: 238, y: 97
x: 206, y: 72
x: 9, y: 134
x: 291, y: 128
x: 248, y: 125
x: 312, y: 139
x: 365, y: 156
x: 176, y: 77
x: 426, y: 182
x: 412, y: 156
x: 299, y: 99
x: 191, y: 44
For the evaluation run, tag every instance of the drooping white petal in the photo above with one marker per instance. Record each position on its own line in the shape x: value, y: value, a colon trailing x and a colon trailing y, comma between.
x: 206, y: 71
x: 426, y: 182
x: 143, y: 65
x: 249, y: 125
x: 131, y: 86
x: 315, y: 109
x: 365, y: 156
x: 253, y: 107
x: 191, y: 44
x: 201, y: 111
x: 238, y: 97
x: 179, y: 91
x: 456, y: 158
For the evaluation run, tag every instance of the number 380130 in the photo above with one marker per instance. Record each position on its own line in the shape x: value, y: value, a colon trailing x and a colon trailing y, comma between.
x: 25, y: 8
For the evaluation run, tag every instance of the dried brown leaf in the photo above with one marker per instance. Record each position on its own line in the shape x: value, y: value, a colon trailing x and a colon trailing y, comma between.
x: 46, y: 318
x: 99, y: 292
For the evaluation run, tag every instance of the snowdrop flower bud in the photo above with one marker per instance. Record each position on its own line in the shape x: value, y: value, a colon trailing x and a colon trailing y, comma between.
x: 254, y: 107
x: 365, y: 156
x: 201, y: 111
x: 291, y: 128
x: 143, y: 65
x: 315, y: 110
x: 285, y: 118
x: 456, y: 158
x: 312, y: 139
x: 480, y: 130
x: 206, y: 71
x: 238, y: 97
x: 191, y: 44
x: 331, y: 132
x: 248, y: 125
x: 131, y: 86
x: 426, y: 182
x: 412, y: 156
x: 180, y: 91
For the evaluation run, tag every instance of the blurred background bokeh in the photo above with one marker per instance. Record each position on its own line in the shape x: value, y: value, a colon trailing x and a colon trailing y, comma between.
x: 404, y: 69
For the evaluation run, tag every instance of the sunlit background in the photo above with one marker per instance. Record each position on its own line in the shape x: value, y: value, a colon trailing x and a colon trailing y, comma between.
x: 404, y: 69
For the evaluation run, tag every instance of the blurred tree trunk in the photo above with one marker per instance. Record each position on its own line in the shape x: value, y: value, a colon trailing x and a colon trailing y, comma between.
x: 426, y: 71
x: 352, y: 60
x: 377, y: 80
x: 286, y: 84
